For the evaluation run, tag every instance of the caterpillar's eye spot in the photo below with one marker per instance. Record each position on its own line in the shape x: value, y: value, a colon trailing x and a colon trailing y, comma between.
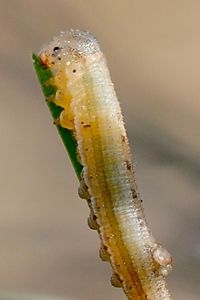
x: 56, y: 51
x: 74, y: 71
x: 56, y: 48
x: 59, y: 58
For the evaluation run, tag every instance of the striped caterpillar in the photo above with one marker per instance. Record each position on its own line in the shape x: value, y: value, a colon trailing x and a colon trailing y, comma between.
x: 90, y: 109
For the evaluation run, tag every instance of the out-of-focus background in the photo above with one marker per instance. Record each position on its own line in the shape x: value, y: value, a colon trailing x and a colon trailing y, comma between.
x: 153, y: 52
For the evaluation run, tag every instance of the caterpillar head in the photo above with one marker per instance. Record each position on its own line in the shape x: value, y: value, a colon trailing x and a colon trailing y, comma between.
x: 69, y: 49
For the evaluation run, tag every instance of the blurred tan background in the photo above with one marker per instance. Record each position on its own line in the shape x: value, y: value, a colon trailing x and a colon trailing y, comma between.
x: 153, y: 52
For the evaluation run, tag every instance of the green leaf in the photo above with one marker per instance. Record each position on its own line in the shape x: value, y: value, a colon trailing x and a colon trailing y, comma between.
x: 44, y: 74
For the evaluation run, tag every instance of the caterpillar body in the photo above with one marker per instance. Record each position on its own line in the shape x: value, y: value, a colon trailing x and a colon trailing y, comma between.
x: 91, y: 110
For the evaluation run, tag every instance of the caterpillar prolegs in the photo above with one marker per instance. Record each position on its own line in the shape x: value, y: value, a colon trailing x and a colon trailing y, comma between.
x: 90, y: 109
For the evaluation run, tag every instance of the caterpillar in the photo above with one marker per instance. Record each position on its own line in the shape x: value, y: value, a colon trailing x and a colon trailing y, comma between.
x: 91, y: 111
